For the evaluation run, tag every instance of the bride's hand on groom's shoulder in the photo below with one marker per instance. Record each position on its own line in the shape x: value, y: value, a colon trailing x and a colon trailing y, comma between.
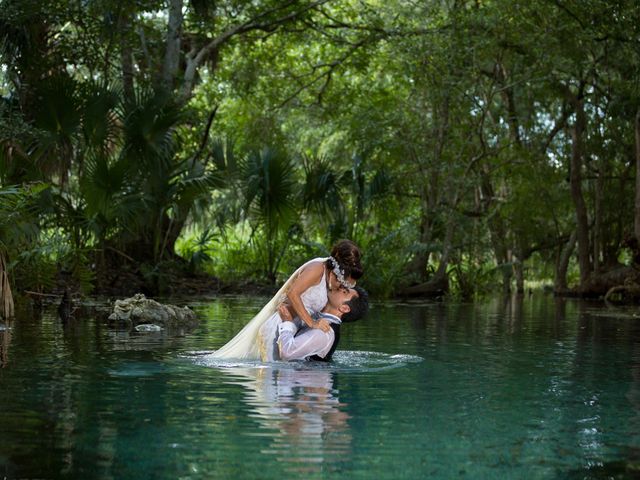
x: 323, y: 325
x: 285, y: 314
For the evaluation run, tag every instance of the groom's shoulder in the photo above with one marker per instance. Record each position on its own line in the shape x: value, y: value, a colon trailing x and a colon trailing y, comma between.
x: 316, y: 332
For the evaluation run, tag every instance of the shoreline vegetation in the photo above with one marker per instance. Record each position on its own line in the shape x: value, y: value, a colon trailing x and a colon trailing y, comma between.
x: 467, y: 147
x: 178, y: 281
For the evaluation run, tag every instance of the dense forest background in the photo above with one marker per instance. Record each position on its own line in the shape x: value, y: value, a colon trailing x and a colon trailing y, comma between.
x: 466, y: 146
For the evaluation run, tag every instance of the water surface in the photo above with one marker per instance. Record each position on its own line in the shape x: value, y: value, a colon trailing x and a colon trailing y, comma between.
x: 531, y: 388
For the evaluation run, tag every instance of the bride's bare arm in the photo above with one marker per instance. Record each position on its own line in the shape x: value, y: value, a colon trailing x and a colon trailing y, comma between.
x: 308, y: 277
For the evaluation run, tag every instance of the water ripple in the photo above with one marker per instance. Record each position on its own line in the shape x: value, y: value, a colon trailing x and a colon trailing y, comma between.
x: 343, y: 361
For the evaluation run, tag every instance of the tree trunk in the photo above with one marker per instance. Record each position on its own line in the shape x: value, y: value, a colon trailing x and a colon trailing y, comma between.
x: 575, y: 179
x: 172, y: 231
x: 508, y: 97
x: 518, y: 267
x: 637, y: 203
x: 126, y: 57
x: 562, y: 264
x: 437, y: 285
x: 597, y: 243
x: 498, y: 233
x: 6, y: 297
x: 446, y: 250
x: 172, y: 51
x: 417, y: 267
x: 497, y: 225
x: 441, y: 278
x: 5, y: 341
x: 429, y: 194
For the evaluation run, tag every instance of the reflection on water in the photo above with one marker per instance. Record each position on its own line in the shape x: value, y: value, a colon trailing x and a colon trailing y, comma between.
x: 299, y: 414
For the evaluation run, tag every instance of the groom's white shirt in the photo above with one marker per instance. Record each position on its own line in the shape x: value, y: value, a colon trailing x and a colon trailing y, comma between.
x: 309, y: 342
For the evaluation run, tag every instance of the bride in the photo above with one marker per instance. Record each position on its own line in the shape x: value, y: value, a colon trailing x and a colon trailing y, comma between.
x: 305, y: 292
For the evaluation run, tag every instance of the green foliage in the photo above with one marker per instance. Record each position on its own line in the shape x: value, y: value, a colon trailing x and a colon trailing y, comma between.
x: 30, y: 265
x: 198, y: 250
x: 231, y: 259
x: 385, y: 258
x: 269, y: 182
x: 460, y: 116
x: 321, y: 193
x: 18, y: 215
x: 471, y: 279
x: 269, y: 188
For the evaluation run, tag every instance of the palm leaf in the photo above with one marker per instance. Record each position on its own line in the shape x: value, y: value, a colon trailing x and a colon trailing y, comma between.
x: 19, y: 214
x: 380, y: 184
x: 58, y: 119
x: 149, y: 124
x: 321, y: 191
x: 100, y: 125
x: 222, y: 154
x: 269, y: 188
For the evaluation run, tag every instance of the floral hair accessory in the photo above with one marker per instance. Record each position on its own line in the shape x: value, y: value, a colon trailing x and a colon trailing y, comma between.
x: 339, y: 273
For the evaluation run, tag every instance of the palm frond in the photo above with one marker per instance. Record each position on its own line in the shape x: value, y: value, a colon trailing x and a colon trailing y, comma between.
x: 223, y: 156
x: 321, y: 190
x: 102, y: 180
x: 269, y: 181
x: 149, y: 124
x: 380, y: 184
x: 100, y: 124
x: 58, y: 119
x: 19, y: 214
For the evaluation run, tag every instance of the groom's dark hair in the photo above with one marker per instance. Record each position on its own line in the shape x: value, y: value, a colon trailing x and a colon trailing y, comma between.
x: 358, y: 305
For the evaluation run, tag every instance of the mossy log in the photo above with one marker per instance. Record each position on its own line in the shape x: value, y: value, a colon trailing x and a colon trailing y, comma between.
x: 629, y: 293
x: 600, y: 284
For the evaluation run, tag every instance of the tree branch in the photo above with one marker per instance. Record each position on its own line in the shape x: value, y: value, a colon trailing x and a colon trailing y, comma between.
x: 172, y: 52
x: 394, y: 32
x: 145, y: 48
x: 559, y: 125
x: 565, y: 9
x: 330, y: 68
x: 194, y: 62
x: 205, y: 137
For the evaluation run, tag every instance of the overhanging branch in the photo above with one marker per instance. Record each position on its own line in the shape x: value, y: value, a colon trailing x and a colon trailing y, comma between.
x: 255, y: 23
x: 329, y: 69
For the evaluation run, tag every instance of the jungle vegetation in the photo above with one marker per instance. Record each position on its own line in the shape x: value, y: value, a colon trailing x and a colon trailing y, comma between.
x: 465, y: 145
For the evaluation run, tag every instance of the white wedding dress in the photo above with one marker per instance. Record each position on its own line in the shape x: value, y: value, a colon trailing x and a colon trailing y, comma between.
x: 257, y: 339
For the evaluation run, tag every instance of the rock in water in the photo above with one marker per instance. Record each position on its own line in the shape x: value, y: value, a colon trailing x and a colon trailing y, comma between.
x: 139, y: 310
x: 148, y: 327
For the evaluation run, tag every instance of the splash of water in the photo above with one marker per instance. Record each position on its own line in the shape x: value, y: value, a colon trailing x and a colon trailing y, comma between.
x: 343, y: 361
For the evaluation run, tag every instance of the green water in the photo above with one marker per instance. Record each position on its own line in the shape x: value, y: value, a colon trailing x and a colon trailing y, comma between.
x: 537, y: 388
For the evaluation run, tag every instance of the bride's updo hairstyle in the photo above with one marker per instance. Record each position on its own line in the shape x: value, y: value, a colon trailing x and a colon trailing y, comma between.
x: 347, y: 254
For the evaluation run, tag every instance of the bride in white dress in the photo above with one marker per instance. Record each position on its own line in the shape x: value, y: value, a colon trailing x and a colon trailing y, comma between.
x: 306, y: 294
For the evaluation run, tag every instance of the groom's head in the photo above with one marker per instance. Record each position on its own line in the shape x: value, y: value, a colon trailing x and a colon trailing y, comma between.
x: 350, y: 304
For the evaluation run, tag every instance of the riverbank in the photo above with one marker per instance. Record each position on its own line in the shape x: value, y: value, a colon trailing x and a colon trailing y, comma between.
x: 125, y: 282
x: 175, y: 279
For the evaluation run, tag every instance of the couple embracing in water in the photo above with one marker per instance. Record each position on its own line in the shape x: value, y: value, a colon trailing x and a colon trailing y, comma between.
x: 302, y: 321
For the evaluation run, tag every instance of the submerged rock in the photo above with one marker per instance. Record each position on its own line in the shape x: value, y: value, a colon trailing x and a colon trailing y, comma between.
x: 148, y: 327
x: 140, y: 310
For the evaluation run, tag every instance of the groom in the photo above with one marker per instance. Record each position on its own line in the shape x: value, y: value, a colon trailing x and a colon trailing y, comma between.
x: 295, y: 343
